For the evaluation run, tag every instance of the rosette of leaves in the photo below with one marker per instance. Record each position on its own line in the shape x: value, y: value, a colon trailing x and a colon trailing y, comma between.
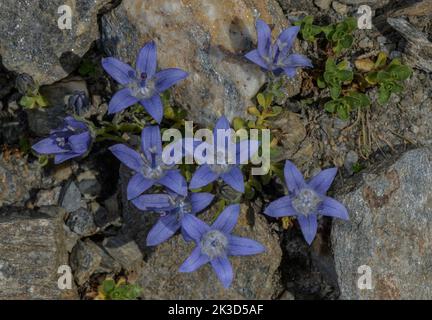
x: 344, y: 105
x: 308, y: 30
x: 335, y: 75
x: 110, y: 290
x: 389, y: 79
x: 340, y: 35
x: 30, y: 90
x: 261, y: 113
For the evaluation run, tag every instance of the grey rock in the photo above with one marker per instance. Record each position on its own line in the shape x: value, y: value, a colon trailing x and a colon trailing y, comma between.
x: 124, y: 251
x: 48, y: 197
x: 33, y: 43
x: 81, y: 222
x: 32, y: 249
x: 104, y: 217
x: 206, y: 40
x: 323, y: 4
x: 351, y: 158
x: 390, y: 230
x: 71, y: 197
x: 255, y: 277
x: 88, y: 258
x: 89, y: 185
x: 372, y: 3
x: 17, y: 178
x: 418, y: 49
x: 340, y: 7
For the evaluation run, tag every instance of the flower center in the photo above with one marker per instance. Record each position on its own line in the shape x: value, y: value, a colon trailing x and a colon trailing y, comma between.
x: 61, y: 141
x: 214, y: 243
x: 306, y: 202
x: 183, y: 206
x: 223, y: 163
x: 154, y: 173
x: 142, y: 87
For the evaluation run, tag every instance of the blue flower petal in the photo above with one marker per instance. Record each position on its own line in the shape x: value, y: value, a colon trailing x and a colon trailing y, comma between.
x: 175, y: 181
x: 165, y: 79
x: 120, y: 71
x: 194, y: 227
x: 287, y: 38
x: 308, y: 226
x: 121, y: 100
x: 80, y: 143
x: 62, y: 157
x: 164, y: 229
x: 227, y: 219
x: 47, y: 146
x: 151, y: 142
x: 128, y: 156
x: 154, y: 107
x: 202, y: 177
x: 223, y: 270
x: 234, y: 178
x: 147, y: 59
x: 281, y: 207
x: 239, y: 246
x: 195, y: 260
x: 333, y: 208
x: 322, y: 181
x: 290, y: 71
x: 297, y: 60
x: 200, y: 201
x: 155, y: 202
x: 256, y: 58
x: 293, y: 177
x: 137, y: 185
x: 264, y: 38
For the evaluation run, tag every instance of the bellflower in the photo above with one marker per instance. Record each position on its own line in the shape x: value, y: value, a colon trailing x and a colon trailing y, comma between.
x: 143, y: 85
x: 307, y: 199
x: 71, y: 140
x: 278, y: 57
x: 173, y: 214
x: 148, y: 166
x: 215, y: 243
x: 223, y: 166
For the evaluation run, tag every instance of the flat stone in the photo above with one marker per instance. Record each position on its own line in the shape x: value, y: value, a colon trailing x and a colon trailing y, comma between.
x: 88, y: 258
x: 390, y: 230
x: 32, y: 249
x: 33, y: 43
x: 81, y: 222
x: 71, y: 197
x: 48, y: 197
x: 17, y: 178
x: 323, y: 4
x: 124, y: 251
x: 208, y: 39
x: 255, y: 277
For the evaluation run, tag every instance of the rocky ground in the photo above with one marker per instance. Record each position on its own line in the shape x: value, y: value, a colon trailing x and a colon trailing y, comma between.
x: 77, y: 214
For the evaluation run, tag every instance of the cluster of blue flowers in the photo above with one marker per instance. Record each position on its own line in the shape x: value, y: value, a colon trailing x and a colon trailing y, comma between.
x: 177, y: 206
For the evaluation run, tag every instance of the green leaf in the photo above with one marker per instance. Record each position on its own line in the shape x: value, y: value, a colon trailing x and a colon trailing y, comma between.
x: 343, y: 112
x: 351, y: 23
x: 346, y: 41
x: 372, y: 77
x: 327, y: 30
x: 381, y: 60
x: 330, y: 65
x: 330, y: 106
x: 27, y: 102
x: 383, y: 95
x: 320, y: 82
x: 383, y: 76
x: 335, y: 92
x: 399, y: 72
x: 261, y: 100
x: 238, y: 123
x: 108, y: 285
x: 40, y: 101
x: 346, y: 75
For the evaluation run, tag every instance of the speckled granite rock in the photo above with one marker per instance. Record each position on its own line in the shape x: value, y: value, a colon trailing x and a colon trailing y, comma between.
x: 17, y: 178
x: 255, y: 277
x: 390, y: 230
x: 207, y: 38
x: 33, y: 43
x: 32, y: 248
